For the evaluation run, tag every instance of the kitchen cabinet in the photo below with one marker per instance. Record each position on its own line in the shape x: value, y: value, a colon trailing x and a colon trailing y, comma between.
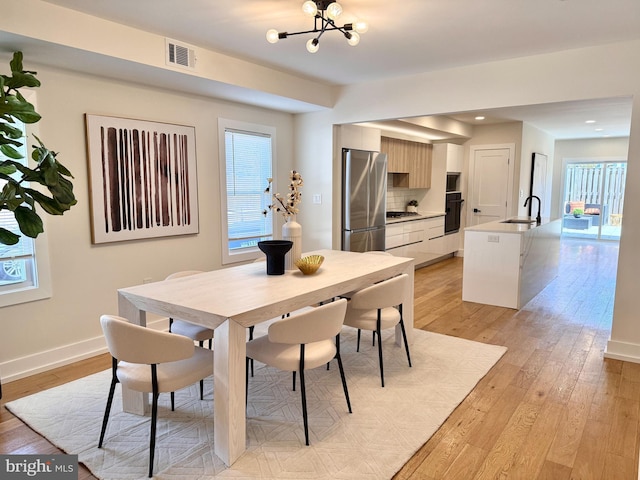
x: 507, y: 264
x: 451, y: 154
x: 410, y: 162
x: 423, y: 240
x: 360, y: 138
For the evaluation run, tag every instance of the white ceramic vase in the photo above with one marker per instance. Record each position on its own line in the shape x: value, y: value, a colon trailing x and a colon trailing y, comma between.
x: 292, y: 230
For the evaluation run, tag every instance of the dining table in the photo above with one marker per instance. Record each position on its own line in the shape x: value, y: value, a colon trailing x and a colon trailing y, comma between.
x: 230, y: 300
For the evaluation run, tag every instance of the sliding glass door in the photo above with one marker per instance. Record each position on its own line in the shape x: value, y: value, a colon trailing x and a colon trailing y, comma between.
x: 593, y: 199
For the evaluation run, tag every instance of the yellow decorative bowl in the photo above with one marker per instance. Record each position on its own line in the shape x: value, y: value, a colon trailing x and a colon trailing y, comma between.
x: 310, y: 264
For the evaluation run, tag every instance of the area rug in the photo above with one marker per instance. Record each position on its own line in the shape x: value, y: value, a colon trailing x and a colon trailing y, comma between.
x: 387, y: 426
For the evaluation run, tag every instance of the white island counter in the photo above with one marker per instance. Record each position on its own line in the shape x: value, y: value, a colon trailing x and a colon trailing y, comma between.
x: 507, y: 264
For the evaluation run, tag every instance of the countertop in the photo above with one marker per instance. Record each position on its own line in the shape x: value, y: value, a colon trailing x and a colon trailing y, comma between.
x: 413, y: 218
x: 500, y: 227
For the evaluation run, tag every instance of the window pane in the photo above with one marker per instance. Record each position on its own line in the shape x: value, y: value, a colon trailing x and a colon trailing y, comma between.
x: 248, y: 165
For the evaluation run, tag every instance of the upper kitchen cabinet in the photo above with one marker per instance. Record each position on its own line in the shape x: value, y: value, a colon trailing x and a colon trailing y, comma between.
x: 453, y: 155
x: 360, y: 138
x: 410, y: 162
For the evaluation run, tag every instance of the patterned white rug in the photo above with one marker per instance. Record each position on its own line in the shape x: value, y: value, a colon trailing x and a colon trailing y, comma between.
x: 387, y: 426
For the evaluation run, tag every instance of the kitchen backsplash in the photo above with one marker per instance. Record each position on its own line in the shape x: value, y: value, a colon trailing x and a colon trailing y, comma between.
x: 397, y: 198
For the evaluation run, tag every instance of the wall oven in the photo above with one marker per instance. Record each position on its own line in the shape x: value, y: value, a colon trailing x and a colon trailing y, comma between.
x: 453, y: 207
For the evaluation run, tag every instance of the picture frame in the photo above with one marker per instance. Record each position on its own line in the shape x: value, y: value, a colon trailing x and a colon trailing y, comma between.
x: 538, y: 185
x: 142, y: 179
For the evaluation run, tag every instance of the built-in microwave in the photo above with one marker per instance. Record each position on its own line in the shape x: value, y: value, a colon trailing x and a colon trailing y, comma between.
x: 453, y: 182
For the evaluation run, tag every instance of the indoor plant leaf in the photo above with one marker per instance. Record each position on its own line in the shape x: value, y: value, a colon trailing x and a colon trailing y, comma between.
x: 7, y: 237
x: 10, y: 152
x: 29, y: 222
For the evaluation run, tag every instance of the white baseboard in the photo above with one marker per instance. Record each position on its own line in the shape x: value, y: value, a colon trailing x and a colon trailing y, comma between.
x: 627, y: 352
x: 57, y: 357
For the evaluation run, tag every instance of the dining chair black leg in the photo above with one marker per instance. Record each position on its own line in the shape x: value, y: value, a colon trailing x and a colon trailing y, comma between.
x: 154, y: 418
x: 246, y: 382
x: 202, y: 389
x: 173, y: 401
x: 251, y: 328
x: 404, y: 336
x: 294, y: 381
x: 358, y: 346
x: 211, y: 344
x: 303, y: 394
x: 107, y: 410
x: 342, y: 376
x: 378, y: 322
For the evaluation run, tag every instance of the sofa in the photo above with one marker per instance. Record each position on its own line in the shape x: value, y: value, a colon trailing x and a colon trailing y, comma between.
x: 592, y: 210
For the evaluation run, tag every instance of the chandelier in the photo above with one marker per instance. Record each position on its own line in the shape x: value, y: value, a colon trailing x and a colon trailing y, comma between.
x: 325, y: 13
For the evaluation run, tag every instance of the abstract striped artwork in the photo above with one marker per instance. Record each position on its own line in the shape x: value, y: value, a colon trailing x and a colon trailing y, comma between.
x: 143, y: 179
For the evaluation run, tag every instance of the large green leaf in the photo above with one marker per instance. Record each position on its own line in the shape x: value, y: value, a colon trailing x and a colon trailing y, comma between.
x: 20, y: 109
x: 22, y: 79
x: 49, y: 205
x: 29, y: 222
x: 16, y: 62
x: 7, y: 168
x: 7, y: 237
x: 10, y: 152
x: 10, y: 131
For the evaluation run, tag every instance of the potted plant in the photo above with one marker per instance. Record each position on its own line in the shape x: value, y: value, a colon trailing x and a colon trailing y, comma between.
x: 412, y: 206
x: 577, y: 212
x: 17, y: 194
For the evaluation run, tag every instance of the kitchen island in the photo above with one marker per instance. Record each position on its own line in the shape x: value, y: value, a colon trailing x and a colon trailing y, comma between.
x: 507, y: 263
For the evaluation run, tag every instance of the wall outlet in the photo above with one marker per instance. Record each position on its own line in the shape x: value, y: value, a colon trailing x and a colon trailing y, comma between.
x: 317, y: 198
x: 493, y: 238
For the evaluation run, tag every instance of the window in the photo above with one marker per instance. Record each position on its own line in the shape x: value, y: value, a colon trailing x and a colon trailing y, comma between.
x: 247, y: 151
x: 24, y: 272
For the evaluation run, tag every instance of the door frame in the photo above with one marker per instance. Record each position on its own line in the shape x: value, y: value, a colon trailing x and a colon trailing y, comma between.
x: 472, y: 165
x: 563, y: 179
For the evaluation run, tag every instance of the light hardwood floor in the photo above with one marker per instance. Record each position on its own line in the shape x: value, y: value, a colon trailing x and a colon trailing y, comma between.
x: 552, y: 407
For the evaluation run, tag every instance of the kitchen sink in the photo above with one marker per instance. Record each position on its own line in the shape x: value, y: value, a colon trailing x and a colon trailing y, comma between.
x: 519, y: 220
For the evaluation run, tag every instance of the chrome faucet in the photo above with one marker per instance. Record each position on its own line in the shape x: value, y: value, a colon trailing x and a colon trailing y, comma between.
x: 538, y: 218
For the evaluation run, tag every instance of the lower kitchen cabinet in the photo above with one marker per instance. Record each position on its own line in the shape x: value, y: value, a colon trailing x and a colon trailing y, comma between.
x: 423, y: 240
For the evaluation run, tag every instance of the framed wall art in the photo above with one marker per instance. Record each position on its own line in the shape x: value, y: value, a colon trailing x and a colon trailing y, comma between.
x: 142, y: 179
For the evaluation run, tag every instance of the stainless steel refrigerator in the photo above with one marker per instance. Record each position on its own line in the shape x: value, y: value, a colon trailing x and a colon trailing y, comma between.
x: 364, y: 196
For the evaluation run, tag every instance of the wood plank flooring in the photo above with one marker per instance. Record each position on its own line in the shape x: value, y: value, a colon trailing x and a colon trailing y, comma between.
x: 551, y: 409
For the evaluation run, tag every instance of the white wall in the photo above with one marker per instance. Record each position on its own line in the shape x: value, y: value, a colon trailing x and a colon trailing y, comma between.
x: 535, y: 141
x: 85, y: 277
x: 570, y: 75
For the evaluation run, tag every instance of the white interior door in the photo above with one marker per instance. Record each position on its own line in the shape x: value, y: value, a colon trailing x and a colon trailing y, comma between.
x: 490, y: 178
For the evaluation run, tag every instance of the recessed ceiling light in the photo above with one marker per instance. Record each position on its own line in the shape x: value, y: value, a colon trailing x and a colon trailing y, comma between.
x: 479, y: 117
x: 599, y: 129
x: 590, y: 121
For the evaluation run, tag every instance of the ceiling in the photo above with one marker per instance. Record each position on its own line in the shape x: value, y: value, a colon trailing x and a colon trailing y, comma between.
x: 404, y: 38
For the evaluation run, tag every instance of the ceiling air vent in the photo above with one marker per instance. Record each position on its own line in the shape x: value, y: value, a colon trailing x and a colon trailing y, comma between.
x: 180, y: 54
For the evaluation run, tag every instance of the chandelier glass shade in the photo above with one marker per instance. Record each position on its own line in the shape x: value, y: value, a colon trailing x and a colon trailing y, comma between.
x: 324, y: 13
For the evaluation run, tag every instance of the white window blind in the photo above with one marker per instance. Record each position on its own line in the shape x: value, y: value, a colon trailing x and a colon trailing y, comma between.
x: 248, y: 162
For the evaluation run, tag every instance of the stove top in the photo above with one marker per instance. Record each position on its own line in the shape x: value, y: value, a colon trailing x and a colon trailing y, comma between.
x: 401, y: 214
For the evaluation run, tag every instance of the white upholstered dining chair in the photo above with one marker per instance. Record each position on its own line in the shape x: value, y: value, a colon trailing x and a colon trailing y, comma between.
x: 147, y: 360
x: 303, y: 341
x: 378, y: 308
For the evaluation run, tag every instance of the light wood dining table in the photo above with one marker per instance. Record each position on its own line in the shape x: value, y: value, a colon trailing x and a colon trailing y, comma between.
x: 232, y: 299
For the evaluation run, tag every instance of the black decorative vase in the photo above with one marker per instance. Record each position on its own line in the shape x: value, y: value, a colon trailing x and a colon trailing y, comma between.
x: 275, y: 250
